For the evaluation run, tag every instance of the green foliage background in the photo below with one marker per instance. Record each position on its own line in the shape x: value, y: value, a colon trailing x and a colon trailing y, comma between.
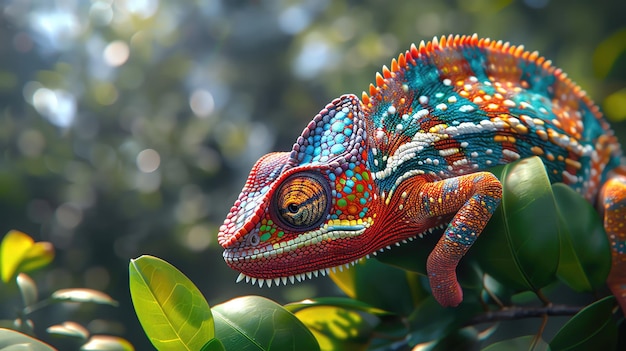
x: 208, y: 87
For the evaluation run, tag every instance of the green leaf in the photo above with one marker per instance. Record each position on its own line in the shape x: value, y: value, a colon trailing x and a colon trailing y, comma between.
x: 593, y: 328
x: 83, y: 295
x: 69, y: 329
x: 430, y: 321
x: 458, y: 340
x: 11, y: 340
x: 171, y: 309
x: 521, y: 343
x: 213, y: 345
x: 28, y: 289
x: 107, y: 343
x: 19, y: 253
x: 520, y: 246
x: 585, y: 252
x: 256, y: 323
x: 356, y: 282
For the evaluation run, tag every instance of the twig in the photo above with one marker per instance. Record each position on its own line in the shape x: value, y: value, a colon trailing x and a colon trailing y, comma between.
x: 513, y: 313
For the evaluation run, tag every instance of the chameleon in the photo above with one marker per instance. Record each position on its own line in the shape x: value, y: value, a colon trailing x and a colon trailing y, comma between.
x: 411, y: 155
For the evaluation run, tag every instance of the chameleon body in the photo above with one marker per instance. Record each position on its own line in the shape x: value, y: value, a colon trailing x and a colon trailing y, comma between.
x: 410, y: 157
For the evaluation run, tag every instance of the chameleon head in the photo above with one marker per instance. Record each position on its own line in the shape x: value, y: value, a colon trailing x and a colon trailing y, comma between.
x: 298, y: 209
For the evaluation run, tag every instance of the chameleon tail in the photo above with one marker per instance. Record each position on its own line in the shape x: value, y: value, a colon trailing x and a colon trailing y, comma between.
x: 613, y: 200
x: 482, y: 192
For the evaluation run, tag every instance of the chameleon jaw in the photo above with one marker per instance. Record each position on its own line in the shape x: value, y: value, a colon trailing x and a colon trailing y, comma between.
x: 299, y: 277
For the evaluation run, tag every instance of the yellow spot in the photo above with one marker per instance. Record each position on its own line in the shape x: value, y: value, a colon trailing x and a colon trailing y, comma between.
x: 542, y: 134
x: 573, y: 163
x: 522, y: 129
x: 537, y: 150
x: 504, y: 138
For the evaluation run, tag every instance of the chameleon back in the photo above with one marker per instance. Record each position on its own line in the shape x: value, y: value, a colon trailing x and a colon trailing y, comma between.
x: 464, y: 104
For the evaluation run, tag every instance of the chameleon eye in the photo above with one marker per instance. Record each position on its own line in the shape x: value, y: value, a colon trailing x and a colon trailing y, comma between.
x: 302, y: 201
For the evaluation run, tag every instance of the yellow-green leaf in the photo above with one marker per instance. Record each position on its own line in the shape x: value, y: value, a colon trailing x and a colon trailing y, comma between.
x: 20, y: 253
x: 347, y: 324
x: 107, y: 343
x: 69, y: 329
x: 171, y: 309
x: 28, y: 289
x: 337, y: 328
x: 83, y: 295
x: 12, y: 250
x: 39, y: 255
x: 342, y: 302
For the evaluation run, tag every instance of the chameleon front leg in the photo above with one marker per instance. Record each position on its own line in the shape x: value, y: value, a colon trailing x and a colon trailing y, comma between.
x: 472, y: 198
x: 613, y: 202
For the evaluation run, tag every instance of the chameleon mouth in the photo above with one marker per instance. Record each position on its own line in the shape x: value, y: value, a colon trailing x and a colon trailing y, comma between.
x: 299, y: 277
x: 335, y: 230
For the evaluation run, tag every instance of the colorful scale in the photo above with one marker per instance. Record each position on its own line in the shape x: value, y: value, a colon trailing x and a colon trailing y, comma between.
x: 483, y: 103
x: 410, y: 156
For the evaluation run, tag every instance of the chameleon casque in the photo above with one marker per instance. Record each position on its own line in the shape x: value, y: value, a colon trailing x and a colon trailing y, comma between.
x: 410, y: 157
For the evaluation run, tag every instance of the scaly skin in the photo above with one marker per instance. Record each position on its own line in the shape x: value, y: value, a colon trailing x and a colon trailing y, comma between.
x: 410, y: 157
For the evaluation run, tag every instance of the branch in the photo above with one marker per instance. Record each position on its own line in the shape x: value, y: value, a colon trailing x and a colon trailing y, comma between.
x: 511, y: 313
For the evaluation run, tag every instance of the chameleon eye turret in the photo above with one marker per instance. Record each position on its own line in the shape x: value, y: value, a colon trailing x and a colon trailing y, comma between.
x: 412, y: 155
x: 302, y: 201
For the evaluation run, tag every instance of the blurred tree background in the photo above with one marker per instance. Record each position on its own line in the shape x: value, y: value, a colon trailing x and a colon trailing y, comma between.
x: 128, y: 127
